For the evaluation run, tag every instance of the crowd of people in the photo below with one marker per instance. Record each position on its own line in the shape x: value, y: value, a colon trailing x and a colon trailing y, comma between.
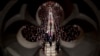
x: 71, y: 33
x: 30, y: 33
x: 33, y: 34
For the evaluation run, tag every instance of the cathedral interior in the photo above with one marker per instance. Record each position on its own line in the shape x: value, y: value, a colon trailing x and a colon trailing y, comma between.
x: 49, y: 28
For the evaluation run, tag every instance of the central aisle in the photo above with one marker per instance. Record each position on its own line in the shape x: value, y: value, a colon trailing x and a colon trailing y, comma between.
x: 49, y: 50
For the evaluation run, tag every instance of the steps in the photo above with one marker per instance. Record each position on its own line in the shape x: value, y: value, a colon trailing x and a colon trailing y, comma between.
x: 50, y: 50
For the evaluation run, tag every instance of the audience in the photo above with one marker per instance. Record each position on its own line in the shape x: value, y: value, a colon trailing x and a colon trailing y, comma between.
x: 30, y: 33
x: 71, y: 33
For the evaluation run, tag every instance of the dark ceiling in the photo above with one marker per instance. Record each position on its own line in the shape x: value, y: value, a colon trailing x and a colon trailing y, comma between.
x: 66, y: 4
